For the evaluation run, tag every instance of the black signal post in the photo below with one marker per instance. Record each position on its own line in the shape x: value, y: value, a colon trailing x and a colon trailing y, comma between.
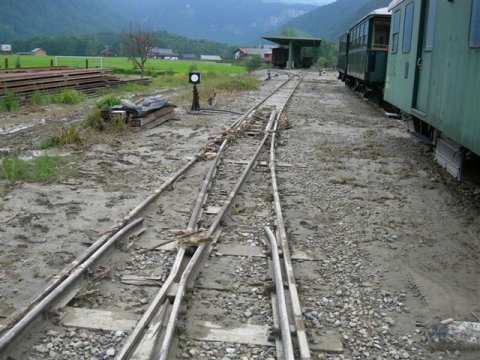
x: 195, y: 79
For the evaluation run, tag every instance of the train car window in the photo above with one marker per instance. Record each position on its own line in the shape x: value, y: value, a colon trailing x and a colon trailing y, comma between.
x: 381, y: 31
x: 475, y: 25
x: 360, y: 34
x: 396, y: 30
x: 365, y: 33
x: 408, y: 28
x: 430, y: 26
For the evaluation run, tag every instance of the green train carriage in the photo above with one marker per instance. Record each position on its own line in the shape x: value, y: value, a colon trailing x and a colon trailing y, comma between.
x: 433, y: 73
x: 342, y: 57
x: 367, y: 51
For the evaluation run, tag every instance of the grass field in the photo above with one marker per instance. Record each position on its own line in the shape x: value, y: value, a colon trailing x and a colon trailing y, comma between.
x: 122, y: 64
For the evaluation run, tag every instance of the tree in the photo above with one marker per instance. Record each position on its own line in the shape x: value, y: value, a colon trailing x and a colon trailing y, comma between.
x: 137, y: 46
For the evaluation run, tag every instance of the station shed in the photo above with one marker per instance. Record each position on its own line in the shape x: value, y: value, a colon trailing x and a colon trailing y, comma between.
x: 291, y: 53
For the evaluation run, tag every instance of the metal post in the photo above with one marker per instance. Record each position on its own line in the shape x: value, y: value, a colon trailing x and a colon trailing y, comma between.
x: 196, y: 99
x: 290, y: 56
x: 86, y: 63
x: 6, y: 63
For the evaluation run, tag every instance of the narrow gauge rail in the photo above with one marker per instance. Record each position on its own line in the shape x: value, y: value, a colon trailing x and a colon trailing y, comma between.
x: 164, y: 314
x: 63, y: 282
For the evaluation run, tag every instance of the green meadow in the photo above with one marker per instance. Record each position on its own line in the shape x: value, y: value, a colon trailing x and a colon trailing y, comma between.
x: 121, y: 64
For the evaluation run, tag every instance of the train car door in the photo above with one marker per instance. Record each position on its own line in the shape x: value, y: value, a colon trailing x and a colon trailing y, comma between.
x: 424, y: 56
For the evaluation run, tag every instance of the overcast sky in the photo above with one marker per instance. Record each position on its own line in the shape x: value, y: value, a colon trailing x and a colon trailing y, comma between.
x: 314, y: 2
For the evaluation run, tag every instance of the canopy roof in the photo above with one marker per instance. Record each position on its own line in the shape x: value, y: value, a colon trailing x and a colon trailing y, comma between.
x: 301, y: 41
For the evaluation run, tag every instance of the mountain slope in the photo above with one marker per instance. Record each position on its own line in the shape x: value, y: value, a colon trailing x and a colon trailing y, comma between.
x: 331, y: 20
x: 233, y: 21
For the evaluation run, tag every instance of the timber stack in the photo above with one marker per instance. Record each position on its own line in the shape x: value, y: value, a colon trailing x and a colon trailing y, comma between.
x: 25, y: 83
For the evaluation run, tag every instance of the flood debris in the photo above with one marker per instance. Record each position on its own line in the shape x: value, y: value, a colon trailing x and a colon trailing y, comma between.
x: 455, y: 335
x: 152, y: 110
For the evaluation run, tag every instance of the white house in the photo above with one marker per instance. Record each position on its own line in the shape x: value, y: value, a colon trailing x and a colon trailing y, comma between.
x: 211, y: 58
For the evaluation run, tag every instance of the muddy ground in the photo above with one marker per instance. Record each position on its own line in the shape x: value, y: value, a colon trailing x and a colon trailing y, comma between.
x: 45, y: 226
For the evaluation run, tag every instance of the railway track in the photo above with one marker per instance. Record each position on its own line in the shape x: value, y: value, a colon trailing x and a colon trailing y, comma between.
x: 219, y: 288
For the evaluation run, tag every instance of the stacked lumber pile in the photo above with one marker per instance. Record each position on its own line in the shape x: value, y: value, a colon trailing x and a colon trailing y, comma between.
x: 25, y: 82
x: 149, y: 112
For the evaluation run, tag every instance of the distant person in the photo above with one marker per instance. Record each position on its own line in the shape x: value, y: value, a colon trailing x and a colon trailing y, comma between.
x: 269, y: 75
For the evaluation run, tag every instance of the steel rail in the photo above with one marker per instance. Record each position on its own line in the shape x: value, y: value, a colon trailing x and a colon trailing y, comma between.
x: 12, y: 333
x: 6, y: 336
x: 199, y: 253
x: 137, y: 333
x: 135, y: 337
x: 282, y: 235
x: 55, y: 288
x: 287, y: 345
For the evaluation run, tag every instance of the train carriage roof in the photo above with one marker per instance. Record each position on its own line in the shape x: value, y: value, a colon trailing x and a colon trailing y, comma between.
x: 394, y: 4
x: 385, y: 11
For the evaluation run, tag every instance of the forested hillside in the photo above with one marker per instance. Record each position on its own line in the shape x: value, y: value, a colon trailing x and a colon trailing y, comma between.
x: 231, y: 21
x: 92, y: 45
x: 331, y: 20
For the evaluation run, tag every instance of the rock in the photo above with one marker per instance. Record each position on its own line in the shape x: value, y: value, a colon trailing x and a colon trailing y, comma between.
x: 389, y: 321
x: 42, y: 349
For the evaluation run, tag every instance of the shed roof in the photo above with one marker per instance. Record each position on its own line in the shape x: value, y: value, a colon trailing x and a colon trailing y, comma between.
x: 161, y: 51
x: 257, y: 51
x: 302, y: 41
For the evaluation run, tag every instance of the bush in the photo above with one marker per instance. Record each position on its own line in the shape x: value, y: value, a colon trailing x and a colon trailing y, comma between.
x: 108, y: 101
x: 40, y: 99
x: 68, y: 96
x: 9, y: 102
x: 40, y: 169
x: 66, y: 136
x: 94, y: 120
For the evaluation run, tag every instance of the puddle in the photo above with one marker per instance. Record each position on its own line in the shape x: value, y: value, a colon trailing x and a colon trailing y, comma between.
x: 17, y: 128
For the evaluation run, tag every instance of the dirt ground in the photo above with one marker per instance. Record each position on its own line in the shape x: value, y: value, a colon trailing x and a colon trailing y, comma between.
x: 399, y: 239
x: 394, y: 238
x: 45, y: 226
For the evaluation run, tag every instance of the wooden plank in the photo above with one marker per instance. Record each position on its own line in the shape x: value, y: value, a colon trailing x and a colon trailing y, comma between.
x: 239, y: 250
x: 329, y: 343
x: 135, y: 280
x: 244, y: 334
x: 154, y: 116
x: 94, y: 319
